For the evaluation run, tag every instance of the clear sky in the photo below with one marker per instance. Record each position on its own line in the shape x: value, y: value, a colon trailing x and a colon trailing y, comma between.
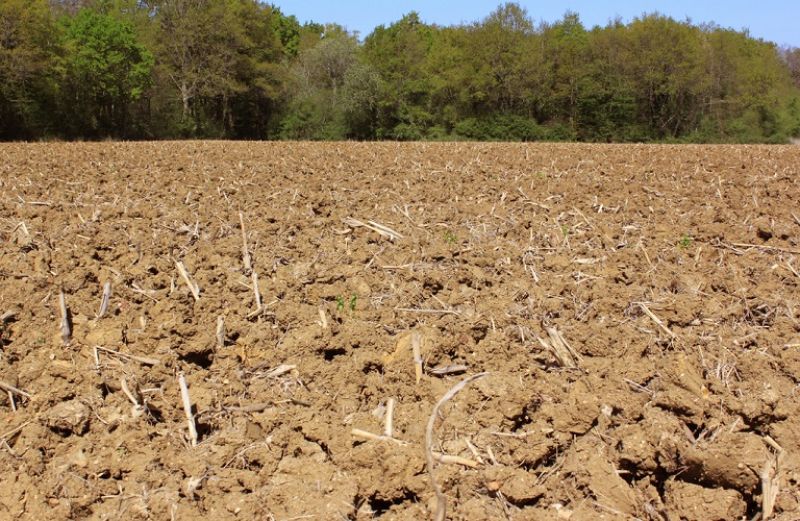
x: 774, y: 20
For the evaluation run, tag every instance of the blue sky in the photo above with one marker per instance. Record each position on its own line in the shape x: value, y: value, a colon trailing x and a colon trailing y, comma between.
x: 775, y: 20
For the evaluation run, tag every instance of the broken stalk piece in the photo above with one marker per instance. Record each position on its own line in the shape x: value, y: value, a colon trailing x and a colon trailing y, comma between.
x: 187, y: 409
x: 193, y: 287
x: 66, y: 330
x: 105, y: 301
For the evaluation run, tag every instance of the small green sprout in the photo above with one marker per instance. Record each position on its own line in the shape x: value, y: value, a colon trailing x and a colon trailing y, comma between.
x: 685, y: 241
x: 450, y: 238
x: 565, y: 230
x: 342, y: 302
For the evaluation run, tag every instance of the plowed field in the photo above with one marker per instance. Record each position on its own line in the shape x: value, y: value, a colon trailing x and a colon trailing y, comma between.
x: 636, y: 310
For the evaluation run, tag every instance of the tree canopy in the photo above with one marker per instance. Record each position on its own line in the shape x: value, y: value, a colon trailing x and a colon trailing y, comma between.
x: 243, y: 69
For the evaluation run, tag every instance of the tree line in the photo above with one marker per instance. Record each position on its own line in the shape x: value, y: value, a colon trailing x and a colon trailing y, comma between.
x: 243, y: 69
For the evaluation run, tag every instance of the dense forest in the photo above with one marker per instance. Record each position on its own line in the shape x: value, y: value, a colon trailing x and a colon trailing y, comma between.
x: 243, y: 69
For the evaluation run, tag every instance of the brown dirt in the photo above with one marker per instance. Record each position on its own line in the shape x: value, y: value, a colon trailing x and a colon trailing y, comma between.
x: 681, y: 422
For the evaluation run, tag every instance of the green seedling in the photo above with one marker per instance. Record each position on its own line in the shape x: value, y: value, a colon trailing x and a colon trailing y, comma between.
x: 450, y: 238
x: 565, y: 230
x: 342, y: 302
x: 685, y: 241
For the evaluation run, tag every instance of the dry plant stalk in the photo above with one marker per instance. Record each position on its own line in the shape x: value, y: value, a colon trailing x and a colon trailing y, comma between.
x: 770, y: 480
x: 378, y: 228
x: 256, y: 293
x: 193, y: 287
x: 565, y: 355
x: 457, y: 460
x: 127, y: 391
x: 388, y: 425
x: 141, y: 359
x: 416, y: 345
x: 246, y: 260
x: 323, y: 318
x: 279, y: 371
x: 105, y: 301
x: 366, y: 435
x: 11, y: 389
x: 220, y: 331
x: 66, y: 330
x: 7, y: 435
x: 441, y: 501
x: 657, y: 320
x: 187, y: 409
x: 444, y: 370
x: 425, y: 311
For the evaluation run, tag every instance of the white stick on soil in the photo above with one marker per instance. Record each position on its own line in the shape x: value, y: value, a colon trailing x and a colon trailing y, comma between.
x: 388, y: 426
x: 657, y: 320
x: 105, y: 301
x: 256, y: 293
x: 11, y: 389
x: 187, y: 409
x: 220, y: 331
x: 66, y: 331
x: 142, y: 360
x: 441, y: 501
x: 193, y: 287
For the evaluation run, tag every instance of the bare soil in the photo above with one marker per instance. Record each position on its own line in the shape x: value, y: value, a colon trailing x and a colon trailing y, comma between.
x: 636, y: 309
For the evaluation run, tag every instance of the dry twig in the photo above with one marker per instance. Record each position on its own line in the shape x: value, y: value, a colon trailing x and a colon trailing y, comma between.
x: 66, y: 329
x: 187, y: 409
x: 378, y: 228
x: 11, y: 389
x: 657, y: 320
x: 220, y: 331
x: 105, y: 301
x: 441, y: 501
x: 565, y: 355
x: 193, y: 287
x: 142, y: 360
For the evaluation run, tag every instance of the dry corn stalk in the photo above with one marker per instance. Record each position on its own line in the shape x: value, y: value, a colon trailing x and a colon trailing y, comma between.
x: 565, y: 355
x: 378, y: 228
x: 441, y: 502
x: 106, y: 299
x: 193, y: 287
x: 220, y: 331
x: 187, y: 409
x: 66, y: 330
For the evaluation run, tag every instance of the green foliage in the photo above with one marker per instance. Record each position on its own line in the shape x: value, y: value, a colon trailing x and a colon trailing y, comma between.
x: 28, y: 47
x: 244, y: 69
x: 500, y: 128
x: 104, y: 70
x: 686, y: 241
